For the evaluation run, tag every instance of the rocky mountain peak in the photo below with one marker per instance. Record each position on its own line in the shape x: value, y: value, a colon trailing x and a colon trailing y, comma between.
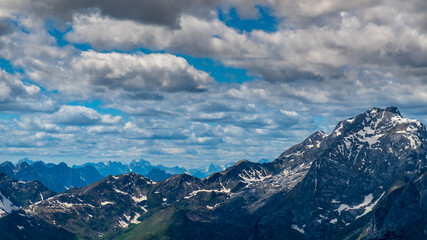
x: 360, y: 160
x: 375, y: 123
x: 23, y: 165
x: 392, y: 109
x: 7, y: 164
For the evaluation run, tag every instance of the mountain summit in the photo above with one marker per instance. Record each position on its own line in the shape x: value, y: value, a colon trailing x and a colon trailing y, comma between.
x: 365, y: 180
x: 358, y: 166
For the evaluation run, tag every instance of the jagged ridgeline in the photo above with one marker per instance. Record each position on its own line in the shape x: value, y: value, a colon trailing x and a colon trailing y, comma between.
x: 60, y: 177
x: 365, y: 180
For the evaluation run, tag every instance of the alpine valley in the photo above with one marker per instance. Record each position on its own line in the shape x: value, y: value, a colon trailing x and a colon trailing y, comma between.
x: 365, y: 180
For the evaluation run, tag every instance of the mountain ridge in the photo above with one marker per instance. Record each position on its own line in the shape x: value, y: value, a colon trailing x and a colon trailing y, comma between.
x: 57, y: 177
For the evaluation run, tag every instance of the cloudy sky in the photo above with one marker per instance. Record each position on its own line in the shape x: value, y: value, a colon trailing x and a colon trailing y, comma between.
x: 189, y: 82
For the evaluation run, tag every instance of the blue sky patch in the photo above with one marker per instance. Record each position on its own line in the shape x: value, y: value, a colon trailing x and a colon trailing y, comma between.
x: 7, y: 66
x: 220, y: 72
x: 266, y: 22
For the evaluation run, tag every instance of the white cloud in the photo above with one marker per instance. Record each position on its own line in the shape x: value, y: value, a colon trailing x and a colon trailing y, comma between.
x: 196, y: 36
x: 3, y: 128
x: 38, y: 124
x: 71, y: 115
x: 104, y: 129
x: 289, y: 113
x: 348, y: 37
x: 17, y: 96
x: 12, y: 88
x: 4, y: 91
x: 76, y: 115
x: 103, y: 75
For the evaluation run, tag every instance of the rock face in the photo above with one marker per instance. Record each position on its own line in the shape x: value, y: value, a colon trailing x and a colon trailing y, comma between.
x: 398, y: 215
x: 365, y: 180
x: 18, y: 225
x: 99, y: 209
x: 362, y: 158
x: 16, y: 194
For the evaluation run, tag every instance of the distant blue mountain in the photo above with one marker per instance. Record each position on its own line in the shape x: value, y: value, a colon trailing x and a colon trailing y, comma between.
x: 145, y: 168
x: 108, y: 168
x: 56, y: 177
x: 60, y: 177
x: 263, y: 160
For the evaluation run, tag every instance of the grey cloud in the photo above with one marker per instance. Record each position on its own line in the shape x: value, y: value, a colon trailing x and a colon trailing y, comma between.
x: 146, y: 111
x: 162, y: 12
x: 303, y: 12
x: 157, y: 134
x: 225, y: 106
x: 144, y: 96
x: 5, y: 26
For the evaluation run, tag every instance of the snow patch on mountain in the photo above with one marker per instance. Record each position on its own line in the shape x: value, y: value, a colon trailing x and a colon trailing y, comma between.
x: 139, y: 199
x: 119, y: 191
x: 251, y: 175
x: 6, y: 206
x: 135, y: 219
x: 371, y: 206
x: 367, y: 200
x: 400, y: 120
x: 366, y: 204
x: 194, y: 193
x: 123, y: 224
x: 295, y: 227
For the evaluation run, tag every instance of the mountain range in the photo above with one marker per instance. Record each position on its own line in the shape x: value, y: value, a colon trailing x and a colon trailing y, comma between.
x: 56, y: 177
x: 364, y: 180
x: 154, y: 172
x: 60, y: 177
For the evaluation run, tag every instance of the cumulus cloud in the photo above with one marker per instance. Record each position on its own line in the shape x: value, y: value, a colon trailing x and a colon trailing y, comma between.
x: 76, y: 115
x: 82, y: 116
x: 134, y: 75
x: 17, y: 96
x: 362, y: 36
x: 11, y: 88
x: 196, y: 36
